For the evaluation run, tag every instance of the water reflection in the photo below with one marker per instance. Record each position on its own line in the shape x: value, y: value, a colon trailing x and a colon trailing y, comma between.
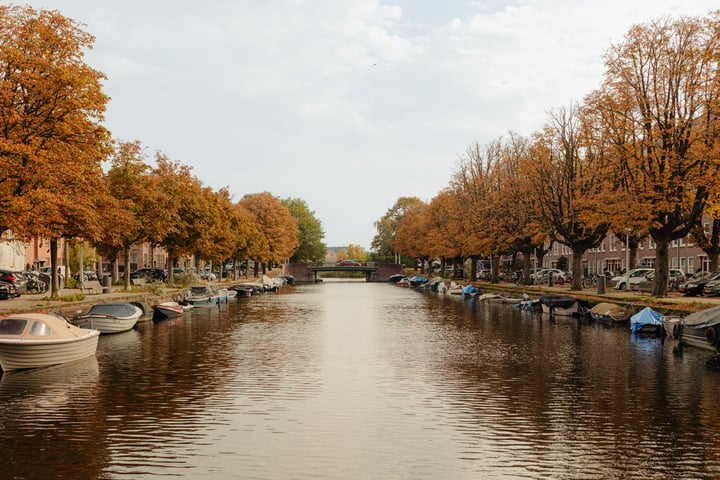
x: 354, y: 380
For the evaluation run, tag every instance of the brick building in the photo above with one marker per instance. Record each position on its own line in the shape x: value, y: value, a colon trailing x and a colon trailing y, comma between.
x: 612, y: 256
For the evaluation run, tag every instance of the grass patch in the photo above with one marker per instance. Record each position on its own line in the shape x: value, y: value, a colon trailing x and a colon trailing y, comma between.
x: 75, y: 297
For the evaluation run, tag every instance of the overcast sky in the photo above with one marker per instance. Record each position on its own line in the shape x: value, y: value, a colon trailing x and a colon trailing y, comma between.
x: 347, y: 104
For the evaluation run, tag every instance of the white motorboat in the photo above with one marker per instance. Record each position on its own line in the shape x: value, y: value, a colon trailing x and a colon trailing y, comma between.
x: 114, y: 317
x: 34, y: 340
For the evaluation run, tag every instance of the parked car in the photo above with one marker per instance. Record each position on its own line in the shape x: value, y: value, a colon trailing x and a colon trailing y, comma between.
x: 7, y: 290
x: 620, y: 282
x: 208, y: 275
x: 558, y: 276
x: 348, y: 263
x: 646, y: 283
x: 696, y: 284
x: 712, y: 288
x: 484, y: 275
x: 15, y: 279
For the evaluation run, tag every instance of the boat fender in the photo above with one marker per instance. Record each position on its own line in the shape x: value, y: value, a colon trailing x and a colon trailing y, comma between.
x: 711, y: 335
x: 676, y: 331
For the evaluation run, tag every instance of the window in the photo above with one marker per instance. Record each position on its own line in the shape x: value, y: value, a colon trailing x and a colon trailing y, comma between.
x: 40, y: 329
x: 12, y: 326
x: 704, y: 263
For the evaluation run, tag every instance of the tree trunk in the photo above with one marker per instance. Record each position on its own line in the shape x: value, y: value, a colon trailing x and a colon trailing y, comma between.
x: 576, y: 283
x: 662, y: 243
x: 527, y: 265
x: 540, y: 253
x: 66, y: 252
x: 127, y: 268
x: 53, y: 268
x: 495, y: 269
x: 473, y: 268
x: 171, y: 270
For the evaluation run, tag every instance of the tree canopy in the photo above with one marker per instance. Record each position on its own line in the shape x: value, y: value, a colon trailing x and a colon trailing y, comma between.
x: 310, y: 232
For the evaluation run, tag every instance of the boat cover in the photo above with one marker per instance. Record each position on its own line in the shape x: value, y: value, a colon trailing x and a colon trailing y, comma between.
x: 646, y: 316
x: 419, y: 279
x: 610, y: 309
x: 561, y: 301
x: 710, y: 315
x: 470, y: 289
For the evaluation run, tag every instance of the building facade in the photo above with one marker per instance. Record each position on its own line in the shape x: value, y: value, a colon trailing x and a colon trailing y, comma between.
x: 612, y: 256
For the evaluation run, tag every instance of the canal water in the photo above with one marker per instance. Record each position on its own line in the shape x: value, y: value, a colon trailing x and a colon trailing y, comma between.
x: 350, y: 380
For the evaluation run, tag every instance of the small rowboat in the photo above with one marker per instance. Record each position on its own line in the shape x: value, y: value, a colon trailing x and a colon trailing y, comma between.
x: 163, y: 311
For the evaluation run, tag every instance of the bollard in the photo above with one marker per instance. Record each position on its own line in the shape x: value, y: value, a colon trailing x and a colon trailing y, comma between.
x: 601, y: 284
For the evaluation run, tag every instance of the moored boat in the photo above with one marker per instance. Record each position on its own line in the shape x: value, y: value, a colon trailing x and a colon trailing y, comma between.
x: 37, y: 340
x: 245, y: 290
x: 200, y: 296
x: 647, y: 321
x: 112, y: 317
x: 417, y: 281
x: 563, y: 305
x: 609, y: 313
x: 700, y: 329
x: 163, y: 311
x: 220, y: 295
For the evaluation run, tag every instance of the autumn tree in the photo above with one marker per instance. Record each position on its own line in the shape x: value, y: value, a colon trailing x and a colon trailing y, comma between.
x: 185, y: 210
x: 134, y: 189
x: 659, y: 104
x: 217, y: 241
x: 51, y: 107
x: 514, y: 218
x: 443, y: 221
x: 276, y: 223
x: 411, y: 239
x: 382, y: 242
x: 565, y: 170
x: 707, y: 236
x: 356, y: 252
x: 310, y: 232
x: 250, y: 242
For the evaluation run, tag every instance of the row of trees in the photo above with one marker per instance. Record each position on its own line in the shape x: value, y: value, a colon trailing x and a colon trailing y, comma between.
x: 639, y: 156
x: 52, y: 182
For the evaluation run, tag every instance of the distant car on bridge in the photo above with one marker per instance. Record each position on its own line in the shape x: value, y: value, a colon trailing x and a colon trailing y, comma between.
x: 348, y: 263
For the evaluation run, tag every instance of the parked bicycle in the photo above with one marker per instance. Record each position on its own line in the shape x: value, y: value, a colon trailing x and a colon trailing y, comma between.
x: 591, y: 280
x: 36, y: 282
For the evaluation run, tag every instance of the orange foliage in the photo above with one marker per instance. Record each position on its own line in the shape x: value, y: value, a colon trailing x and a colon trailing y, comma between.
x: 276, y: 223
x: 51, y: 142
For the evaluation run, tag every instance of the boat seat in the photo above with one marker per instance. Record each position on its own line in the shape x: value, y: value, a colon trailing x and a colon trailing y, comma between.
x: 92, y: 286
